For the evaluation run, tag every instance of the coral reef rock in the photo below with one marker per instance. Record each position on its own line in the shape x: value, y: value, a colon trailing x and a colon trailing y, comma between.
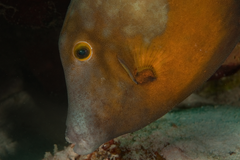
x: 205, y: 133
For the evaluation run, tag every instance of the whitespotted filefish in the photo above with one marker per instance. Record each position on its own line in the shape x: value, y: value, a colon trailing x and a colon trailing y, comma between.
x: 128, y: 62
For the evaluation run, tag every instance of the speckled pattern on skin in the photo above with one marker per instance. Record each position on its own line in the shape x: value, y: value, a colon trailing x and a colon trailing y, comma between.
x: 181, y: 43
x: 146, y: 17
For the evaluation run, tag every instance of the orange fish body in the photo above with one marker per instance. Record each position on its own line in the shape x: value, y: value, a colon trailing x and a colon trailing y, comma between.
x: 128, y: 62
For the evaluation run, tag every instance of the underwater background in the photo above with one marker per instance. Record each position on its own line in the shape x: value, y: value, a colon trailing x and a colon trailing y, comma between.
x: 33, y: 99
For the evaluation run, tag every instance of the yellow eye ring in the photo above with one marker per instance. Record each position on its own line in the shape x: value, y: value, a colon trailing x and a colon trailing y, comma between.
x: 82, y: 51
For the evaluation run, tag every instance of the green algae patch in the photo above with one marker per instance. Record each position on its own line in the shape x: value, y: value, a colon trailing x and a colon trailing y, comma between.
x: 219, y: 86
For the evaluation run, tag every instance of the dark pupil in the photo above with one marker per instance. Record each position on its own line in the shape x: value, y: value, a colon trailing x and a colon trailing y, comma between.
x: 82, y: 53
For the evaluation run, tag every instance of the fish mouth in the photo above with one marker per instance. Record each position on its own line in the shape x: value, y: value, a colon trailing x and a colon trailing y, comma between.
x: 81, y: 146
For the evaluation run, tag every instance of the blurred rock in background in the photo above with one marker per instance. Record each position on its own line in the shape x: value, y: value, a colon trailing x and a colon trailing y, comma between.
x: 33, y: 101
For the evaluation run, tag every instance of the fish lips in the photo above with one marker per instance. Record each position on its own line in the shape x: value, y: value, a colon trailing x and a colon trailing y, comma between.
x: 82, y: 146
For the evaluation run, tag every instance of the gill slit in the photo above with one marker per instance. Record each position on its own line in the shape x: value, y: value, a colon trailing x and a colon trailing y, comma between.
x: 127, y: 69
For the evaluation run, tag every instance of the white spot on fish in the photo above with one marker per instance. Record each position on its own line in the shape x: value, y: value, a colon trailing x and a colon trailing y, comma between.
x: 87, y: 15
x: 148, y: 18
x: 102, y: 80
x: 136, y: 6
x: 106, y: 32
x: 112, y: 12
x: 98, y: 3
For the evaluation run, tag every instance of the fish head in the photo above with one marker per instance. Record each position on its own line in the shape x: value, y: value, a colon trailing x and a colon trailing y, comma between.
x: 128, y: 62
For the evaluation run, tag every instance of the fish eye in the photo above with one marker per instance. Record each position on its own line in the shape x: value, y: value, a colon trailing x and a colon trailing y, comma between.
x: 82, y: 51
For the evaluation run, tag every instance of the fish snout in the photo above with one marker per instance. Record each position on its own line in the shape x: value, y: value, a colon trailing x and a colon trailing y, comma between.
x: 70, y: 136
x: 82, y: 146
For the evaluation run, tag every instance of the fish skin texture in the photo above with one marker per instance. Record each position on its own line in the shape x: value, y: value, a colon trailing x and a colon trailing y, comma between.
x: 180, y: 43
